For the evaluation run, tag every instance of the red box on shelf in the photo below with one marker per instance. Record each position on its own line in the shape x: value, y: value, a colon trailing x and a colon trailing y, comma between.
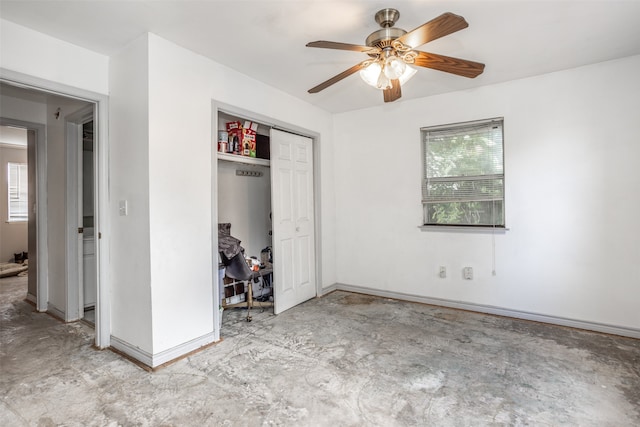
x: 233, y: 126
x: 248, y: 142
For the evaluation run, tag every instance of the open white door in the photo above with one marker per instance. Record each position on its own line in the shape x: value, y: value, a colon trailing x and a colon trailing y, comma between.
x: 79, y: 215
x: 81, y: 261
x: 87, y: 264
x: 293, y: 222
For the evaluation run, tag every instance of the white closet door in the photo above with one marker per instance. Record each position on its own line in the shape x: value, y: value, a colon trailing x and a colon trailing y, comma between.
x: 293, y: 222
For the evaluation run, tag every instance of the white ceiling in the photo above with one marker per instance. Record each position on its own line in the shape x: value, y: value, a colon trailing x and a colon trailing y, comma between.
x: 266, y: 39
x: 13, y: 136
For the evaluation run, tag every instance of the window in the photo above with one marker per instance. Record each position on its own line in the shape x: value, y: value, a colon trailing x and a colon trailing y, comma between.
x: 463, y: 174
x: 18, y: 189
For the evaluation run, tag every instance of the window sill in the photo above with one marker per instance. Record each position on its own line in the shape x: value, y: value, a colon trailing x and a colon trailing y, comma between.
x: 16, y: 221
x: 464, y: 229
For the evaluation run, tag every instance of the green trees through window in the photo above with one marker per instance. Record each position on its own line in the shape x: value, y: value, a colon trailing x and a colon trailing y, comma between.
x: 463, y: 175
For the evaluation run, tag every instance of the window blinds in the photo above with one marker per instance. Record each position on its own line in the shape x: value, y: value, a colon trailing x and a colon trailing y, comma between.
x: 18, y: 189
x: 463, y: 163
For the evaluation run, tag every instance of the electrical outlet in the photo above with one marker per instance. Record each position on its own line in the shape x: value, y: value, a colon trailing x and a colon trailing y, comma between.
x: 467, y: 272
x: 443, y: 272
x: 123, y: 208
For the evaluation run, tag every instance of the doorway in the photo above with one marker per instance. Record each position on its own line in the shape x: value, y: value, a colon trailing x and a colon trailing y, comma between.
x: 274, y: 194
x: 36, y: 225
x: 49, y: 106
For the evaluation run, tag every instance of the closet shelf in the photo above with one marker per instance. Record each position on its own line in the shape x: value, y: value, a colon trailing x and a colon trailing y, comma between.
x: 243, y: 159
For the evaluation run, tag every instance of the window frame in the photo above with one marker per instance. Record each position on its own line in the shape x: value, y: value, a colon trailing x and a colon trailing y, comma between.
x: 426, y: 198
x: 21, y: 191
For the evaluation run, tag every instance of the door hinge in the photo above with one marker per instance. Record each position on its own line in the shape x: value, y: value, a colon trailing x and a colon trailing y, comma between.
x: 99, y: 235
x: 80, y: 230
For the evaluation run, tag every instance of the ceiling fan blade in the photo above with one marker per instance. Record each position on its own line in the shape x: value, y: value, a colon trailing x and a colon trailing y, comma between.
x: 460, y: 67
x: 441, y: 26
x: 337, y: 78
x: 394, y: 92
x: 344, y: 46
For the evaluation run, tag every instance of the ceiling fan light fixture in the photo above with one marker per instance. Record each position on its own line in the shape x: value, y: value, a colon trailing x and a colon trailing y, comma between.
x: 383, y: 82
x: 375, y: 75
x: 394, y: 67
x: 407, y: 74
x: 371, y: 73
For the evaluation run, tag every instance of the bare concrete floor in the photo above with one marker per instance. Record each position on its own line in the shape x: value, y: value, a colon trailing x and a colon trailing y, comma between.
x: 342, y: 360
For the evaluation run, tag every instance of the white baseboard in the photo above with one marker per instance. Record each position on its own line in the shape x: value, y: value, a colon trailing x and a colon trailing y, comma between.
x: 328, y: 290
x: 132, y: 351
x: 182, y: 349
x: 500, y: 311
x: 155, y: 360
x: 55, y: 311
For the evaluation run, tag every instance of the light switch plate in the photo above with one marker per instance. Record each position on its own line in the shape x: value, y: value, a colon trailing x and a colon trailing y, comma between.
x: 123, y: 208
x: 442, y: 272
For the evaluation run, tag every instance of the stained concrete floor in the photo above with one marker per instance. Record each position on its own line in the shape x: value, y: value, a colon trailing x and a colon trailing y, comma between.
x: 341, y: 360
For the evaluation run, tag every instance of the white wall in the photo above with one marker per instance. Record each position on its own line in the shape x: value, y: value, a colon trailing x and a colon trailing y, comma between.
x: 129, y: 181
x: 572, y: 198
x: 182, y: 86
x: 34, y: 111
x: 36, y: 54
x: 13, y: 235
x: 245, y: 202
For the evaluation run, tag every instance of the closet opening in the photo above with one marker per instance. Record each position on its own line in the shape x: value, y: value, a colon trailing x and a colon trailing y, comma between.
x: 245, y: 261
x: 264, y: 202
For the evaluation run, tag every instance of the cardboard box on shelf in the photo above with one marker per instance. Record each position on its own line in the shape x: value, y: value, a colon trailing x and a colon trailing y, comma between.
x: 233, y: 126
x: 248, y: 142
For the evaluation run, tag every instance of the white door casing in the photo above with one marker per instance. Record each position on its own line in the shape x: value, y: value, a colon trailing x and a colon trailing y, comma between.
x: 293, y: 219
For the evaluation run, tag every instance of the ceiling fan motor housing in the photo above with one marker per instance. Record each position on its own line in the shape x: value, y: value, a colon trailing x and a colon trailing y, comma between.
x: 388, y: 33
x: 384, y: 36
x: 387, y: 17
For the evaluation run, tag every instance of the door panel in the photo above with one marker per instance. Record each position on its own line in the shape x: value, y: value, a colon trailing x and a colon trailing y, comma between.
x: 302, y: 201
x: 293, y: 227
x: 285, y: 268
x: 304, y: 260
x: 285, y: 189
x: 89, y: 269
